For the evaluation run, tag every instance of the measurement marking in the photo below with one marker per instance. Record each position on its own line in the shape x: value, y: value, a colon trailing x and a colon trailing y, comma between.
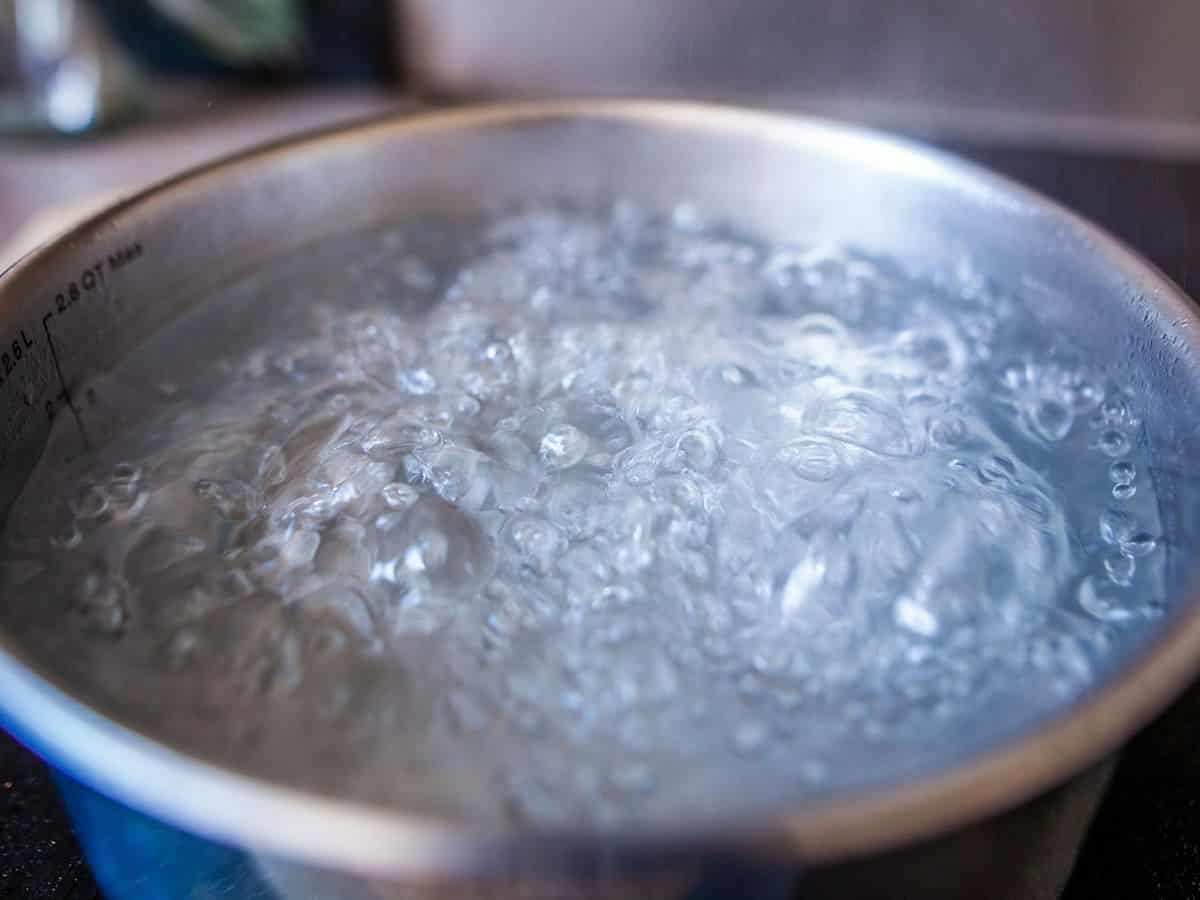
x: 66, y: 394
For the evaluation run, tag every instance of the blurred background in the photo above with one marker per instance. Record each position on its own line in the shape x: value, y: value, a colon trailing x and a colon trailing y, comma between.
x: 1095, y: 102
x: 194, y: 78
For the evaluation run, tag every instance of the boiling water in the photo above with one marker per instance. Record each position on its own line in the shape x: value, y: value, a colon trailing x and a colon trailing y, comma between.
x: 571, y: 518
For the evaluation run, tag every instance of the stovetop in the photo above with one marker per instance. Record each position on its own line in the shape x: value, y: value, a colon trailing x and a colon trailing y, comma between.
x: 1145, y: 840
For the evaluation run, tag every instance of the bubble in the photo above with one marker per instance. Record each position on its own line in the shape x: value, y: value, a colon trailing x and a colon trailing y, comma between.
x: 1122, y: 472
x: 1124, y: 490
x: 101, y: 603
x: 1114, y: 409
x: 811, y: 460
x: 537, y: 543
x: 996, y: 471
x: 1080, y: 395
x: 1052, y: 420
x: 861, y: 419
x: 1113, y: 443
x: 459, y: 476
x: 563, y: 446
x: 90, y: 503
x: 950, y: 431
x: 417, y: 381
x: 435, y: 541
x: 915, y: 618
x: 272, y: 467
x: 398, y: 495
x: 1116, y: 526
x: 1139, y: 544
x: 738, y: 376
x: 230, y: 498
x: 697, y: 449
x: 1120, y: 568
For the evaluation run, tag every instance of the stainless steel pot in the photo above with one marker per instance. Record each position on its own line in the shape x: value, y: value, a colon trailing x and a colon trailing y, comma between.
x: 79, y: 304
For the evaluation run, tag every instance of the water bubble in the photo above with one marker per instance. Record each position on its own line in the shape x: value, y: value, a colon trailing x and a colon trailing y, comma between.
x: 738, y: 376
x: 1124, y: 490
x: 435, y: 541
x: 1080, y: 395
x: 125, y: 473
x: 101, y: 603
x: 697, y: 449
x: 230, y: 498
x: 563, y: 446
x: 538, y: 543
x: 90, y: 503
x: 996, y: 471
x: 915, y: 617
x: 1102, y: 601
x: 1122, y: 472
x: 811, y: 460
x: 1052, y: 420
x: 1113, y: 443
x: 1139, y: 544
x: 398, y: 495
x: 1116, y: 526
x: 459, y: 475
x: 1114, y: 409
x: 949, y: 431
x: 1120, y: 568
x: 861, y: 419
x: 272, y: 467
x: 417, y: 381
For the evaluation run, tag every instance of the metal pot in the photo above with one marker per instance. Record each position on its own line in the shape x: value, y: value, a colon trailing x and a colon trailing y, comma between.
x: 79, y: 304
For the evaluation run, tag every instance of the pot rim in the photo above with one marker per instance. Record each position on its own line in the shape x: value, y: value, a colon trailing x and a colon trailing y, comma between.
x: 261, y: 815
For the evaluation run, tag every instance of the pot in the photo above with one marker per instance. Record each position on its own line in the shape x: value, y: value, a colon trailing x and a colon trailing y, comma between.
x: 158, y: 823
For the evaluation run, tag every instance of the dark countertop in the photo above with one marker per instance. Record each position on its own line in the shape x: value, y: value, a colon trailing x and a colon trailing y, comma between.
x: 1145, y: 842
